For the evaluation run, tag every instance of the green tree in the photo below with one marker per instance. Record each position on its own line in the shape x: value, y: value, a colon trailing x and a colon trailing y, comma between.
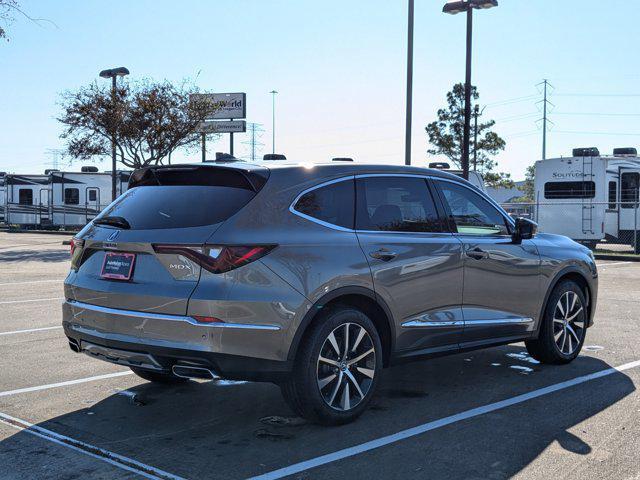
x: 150, y: 120
x: 528, y: 189
x: 446, y: 136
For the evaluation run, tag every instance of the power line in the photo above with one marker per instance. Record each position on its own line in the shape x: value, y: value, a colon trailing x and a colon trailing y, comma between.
x: 599, y: 114
x: 623, y: 95
x: 612, y: 134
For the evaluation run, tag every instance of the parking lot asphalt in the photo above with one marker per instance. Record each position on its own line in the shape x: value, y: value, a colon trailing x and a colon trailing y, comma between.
x: 494, y: 413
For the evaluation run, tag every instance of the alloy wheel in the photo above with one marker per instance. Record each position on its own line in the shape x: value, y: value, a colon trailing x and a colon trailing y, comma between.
x: 346, y: 366
x: 568, y: 323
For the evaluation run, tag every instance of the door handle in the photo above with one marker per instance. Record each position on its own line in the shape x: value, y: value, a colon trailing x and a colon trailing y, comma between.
x: 383, y: 254
x: 476, y: 253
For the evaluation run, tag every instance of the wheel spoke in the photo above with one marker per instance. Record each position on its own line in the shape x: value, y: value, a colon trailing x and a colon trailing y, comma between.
x: 335, y: 390
x: 366, y: 371
x: 564, y: 340
x: 568, y: 309
x: 334, y: 343
x: 346, y: 401
x: 557, y: 336
x: 572, y: 332
x: 573, y: 302
x: 354, y: 382
x: 579, y: 324
x: 574, y: 315
x: 359, y: 338
x: 570, y: 344
x: 346, y: 341
x: 329, y: 361
x: 326, y: 381
x: 361, y: 356
x: 561, y: 308
x: 559, y: 320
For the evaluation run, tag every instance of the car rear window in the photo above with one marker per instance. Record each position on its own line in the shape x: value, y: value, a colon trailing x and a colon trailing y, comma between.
x: 182, y: 198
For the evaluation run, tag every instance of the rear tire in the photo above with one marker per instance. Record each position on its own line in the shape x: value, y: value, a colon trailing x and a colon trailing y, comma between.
x: 157, y: 377
x: 563, y: 326
x: 337, y: 368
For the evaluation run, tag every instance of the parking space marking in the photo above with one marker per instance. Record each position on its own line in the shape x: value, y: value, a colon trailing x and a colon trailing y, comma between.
x: 33, y: 300
x: 443, y: 422
x: 30, y: 330
x: 600, y: 265
x: 112, y: 458
x: 29, y: 283
x: 64, y: 384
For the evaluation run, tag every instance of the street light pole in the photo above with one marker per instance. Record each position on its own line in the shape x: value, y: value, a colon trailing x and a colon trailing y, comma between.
x: 113, y: 74
x: 454, y: 7
x: 273, y: 120
x: 407, y: 139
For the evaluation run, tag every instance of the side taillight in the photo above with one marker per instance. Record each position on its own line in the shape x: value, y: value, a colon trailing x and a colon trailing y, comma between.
x: 218, y: 258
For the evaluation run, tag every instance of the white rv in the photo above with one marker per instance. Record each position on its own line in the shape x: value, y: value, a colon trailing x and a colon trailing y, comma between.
x: 3, y: 196
x: 475, y: 178
x: 589, y: 197
x: 26, y: 199
x: 78, y: 197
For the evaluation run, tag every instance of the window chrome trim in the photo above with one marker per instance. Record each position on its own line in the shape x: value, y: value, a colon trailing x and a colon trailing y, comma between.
x: 317, y: 220
x: 165, y: 317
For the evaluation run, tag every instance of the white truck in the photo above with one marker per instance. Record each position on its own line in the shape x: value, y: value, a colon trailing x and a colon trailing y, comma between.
x: 590, y: 197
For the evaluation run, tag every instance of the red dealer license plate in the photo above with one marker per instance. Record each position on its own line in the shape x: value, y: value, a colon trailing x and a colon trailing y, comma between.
x: 118, y: 266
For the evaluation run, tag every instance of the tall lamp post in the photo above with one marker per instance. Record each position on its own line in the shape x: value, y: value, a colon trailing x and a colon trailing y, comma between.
x: 407, y: 127
x: 273, y: 120
x: 113, y: 73
x: 453, y: 8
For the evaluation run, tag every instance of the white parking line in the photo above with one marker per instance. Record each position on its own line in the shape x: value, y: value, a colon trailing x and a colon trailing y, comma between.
x: 33, y: 300
x: 426, y: 427
x: 64, y: 384
x: 600, y: 265
x: 112, y: 458
x: 29, y: 283
x: 31, y: 330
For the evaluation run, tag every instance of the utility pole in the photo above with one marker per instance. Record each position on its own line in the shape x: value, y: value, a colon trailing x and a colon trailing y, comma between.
x: 407, y: 139
x: 273, y: 120
x: 545, y: 102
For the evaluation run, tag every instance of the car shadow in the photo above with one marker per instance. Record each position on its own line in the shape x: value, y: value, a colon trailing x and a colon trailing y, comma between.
x: 34, y: 256
x: 239, y: 429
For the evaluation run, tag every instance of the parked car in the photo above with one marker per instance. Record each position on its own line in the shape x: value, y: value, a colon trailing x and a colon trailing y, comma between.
x: 316, y: 278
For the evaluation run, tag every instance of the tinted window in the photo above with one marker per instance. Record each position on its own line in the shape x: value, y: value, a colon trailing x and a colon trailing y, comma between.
x: 71, y: 196
x: 93, y: 195
x: 472, y: 214
x: 629, y: 184
x: 177, y: 206
x: 396, y: 204
x: 332, y: 204
x: 569, y: 190
x: 613, y: 195
x: 25, y: 196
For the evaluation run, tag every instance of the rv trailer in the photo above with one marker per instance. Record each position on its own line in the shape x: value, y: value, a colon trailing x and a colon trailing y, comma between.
x: 475, y: 178
x: 3, y: 196
x: 78, y: 197
x: 590, y: 197
x: 26, y: 199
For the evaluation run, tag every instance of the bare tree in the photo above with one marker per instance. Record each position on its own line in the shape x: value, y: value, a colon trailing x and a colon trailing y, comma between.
x: 150, y: 120
x: 8, y: 9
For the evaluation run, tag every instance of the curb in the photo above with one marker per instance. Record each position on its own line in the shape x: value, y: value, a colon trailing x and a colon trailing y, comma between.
x: 625, y: 258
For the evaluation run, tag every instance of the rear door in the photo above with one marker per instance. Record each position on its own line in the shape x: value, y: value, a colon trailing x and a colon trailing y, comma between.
x: 416, y: 263
x: 170, y: 211
x: 501, y: 295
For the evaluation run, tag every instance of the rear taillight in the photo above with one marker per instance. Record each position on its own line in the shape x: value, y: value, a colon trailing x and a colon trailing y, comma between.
x: 73, y: 246
x: 218, y: 258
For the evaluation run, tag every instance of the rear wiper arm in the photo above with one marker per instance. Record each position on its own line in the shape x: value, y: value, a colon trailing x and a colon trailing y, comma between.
x: 119, y: 222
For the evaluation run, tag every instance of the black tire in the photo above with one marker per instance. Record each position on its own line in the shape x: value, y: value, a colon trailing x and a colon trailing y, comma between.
x: 558, y: 344
x: 157, y: 377
x: 302, y: 391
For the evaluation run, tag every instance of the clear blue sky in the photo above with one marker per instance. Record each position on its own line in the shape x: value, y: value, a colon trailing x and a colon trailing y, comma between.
x: 339, y: 66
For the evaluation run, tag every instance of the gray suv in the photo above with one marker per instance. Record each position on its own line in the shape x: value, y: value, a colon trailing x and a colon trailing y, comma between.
x: 316, y: 278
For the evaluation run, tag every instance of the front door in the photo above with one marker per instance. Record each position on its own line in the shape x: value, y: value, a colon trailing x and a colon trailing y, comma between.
x: 629, y: 221
x: 92, y: 203
x: 501, y: 297
x: 415, y: 262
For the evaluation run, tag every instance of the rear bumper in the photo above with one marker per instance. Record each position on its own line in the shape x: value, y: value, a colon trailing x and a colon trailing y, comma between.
x: 158, y: 342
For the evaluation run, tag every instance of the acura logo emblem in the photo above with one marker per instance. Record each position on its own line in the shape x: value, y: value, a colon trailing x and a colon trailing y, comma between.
x: 113, y: 235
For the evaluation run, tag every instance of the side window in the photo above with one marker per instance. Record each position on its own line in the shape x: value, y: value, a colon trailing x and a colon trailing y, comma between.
x: 93, y: 195
x: 71, y: 196
x: 613, y: 195
x: 629, y: 185
x: 472, y: 214
x: 25, y: 196
x: 333, y: 203
x: 396, y: 204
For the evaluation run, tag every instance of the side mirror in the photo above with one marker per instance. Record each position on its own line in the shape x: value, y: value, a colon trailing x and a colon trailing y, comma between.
x: 525, y: 229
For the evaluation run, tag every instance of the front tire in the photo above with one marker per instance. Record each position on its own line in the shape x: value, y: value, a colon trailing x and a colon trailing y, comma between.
x: 158, y: 377
x: 337, y: 368
x: 563, y: 326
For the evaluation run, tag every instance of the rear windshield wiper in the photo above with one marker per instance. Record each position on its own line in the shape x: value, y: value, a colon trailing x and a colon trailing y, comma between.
x: 119, y: 222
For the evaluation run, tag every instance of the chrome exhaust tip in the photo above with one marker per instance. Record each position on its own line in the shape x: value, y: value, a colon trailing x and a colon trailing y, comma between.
x: 74, y: 345
x: 187, y: 371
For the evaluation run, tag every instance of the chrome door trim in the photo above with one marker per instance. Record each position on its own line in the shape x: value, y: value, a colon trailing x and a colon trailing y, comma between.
x: 499, y: 321
x: 165, y: 317
x: 421, y: 324
x: 467, y: 323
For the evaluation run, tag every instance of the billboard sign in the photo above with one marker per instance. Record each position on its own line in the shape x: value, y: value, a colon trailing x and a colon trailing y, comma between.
x: 236, y: 126
x: 233, y: 105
